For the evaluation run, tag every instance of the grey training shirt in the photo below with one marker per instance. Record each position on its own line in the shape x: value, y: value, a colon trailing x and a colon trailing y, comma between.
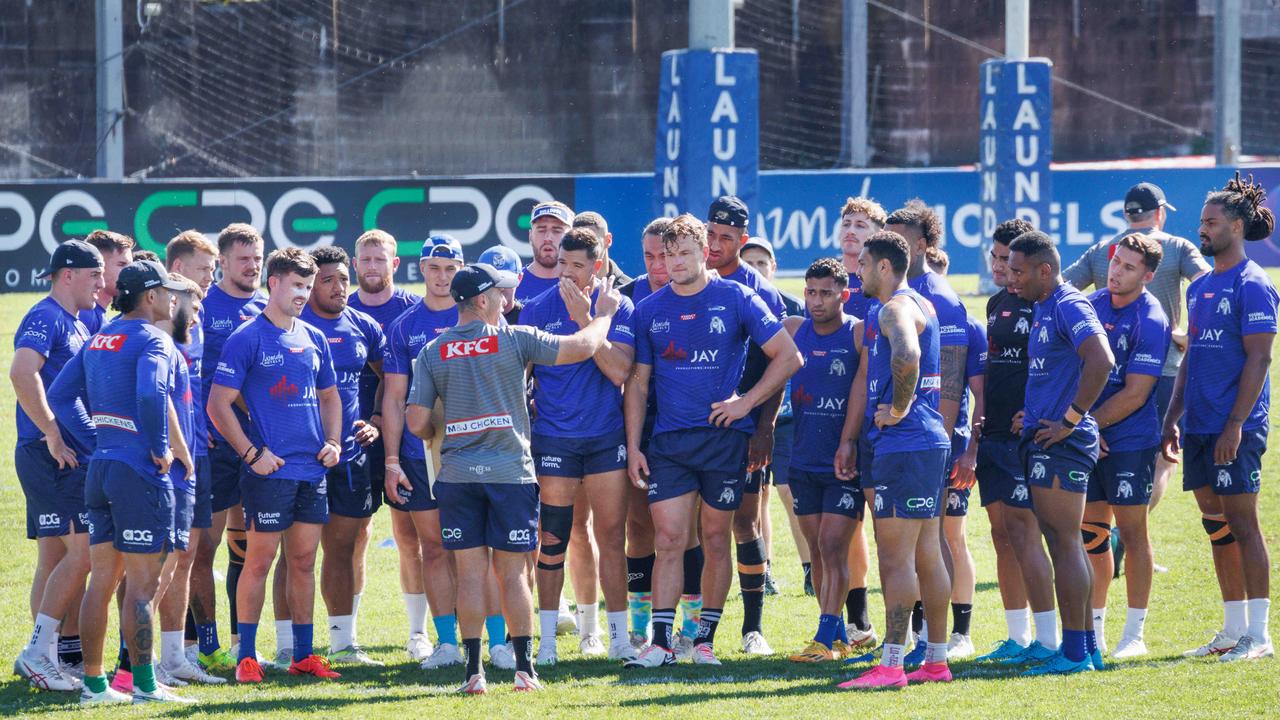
x: 1182, y: 260
x: 478, y: 371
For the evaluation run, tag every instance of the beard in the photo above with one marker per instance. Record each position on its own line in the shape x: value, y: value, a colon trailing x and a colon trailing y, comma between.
x: 373, y: 285
x: 181, y: 325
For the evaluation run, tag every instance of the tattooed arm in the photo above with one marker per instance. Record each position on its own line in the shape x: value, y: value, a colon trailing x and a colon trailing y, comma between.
x: 953, y: 359
x: 900, y: 322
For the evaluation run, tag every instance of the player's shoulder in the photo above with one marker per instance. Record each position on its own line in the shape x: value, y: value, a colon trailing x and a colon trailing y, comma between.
x: 1252, y: 272
x: 1098, y: 297
x: 361, y: 319
x: 1150, y: 307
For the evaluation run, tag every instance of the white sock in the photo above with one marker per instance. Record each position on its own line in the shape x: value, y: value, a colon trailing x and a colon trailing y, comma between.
x: 1258, y: 609
x: 1046, y: 628
x: 547, y: 620
x: 1100, y: 628
x: 891, y: 655
x: 1135, y: 620
x: 1234, y: 618
x: 415, y: 607
x: 355, y: 615
x: 924, y: 633
x: 284, y: 636
x: 588, y: 620
x: 935, y: 652
x: 46, y: 630
x: 53, y: 648
x: 171, y: 651
x: 617, y: 627
x: 1019, y: 623
x: 341, y: 628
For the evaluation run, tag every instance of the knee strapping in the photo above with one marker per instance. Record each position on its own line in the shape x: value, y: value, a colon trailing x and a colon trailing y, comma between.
x: 237, y: 546
x: 557, y: 521
x: 1097, y: 537
x: 1216, y: 527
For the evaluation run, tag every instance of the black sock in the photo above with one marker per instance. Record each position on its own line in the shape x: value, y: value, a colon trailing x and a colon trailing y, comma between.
x: 237, y: 545
x: 190, y: 629
x: 917, y: 617
x: 855, y: 607
x: 694, y: 559
x: 471, y: 648
x: 663, y: 619
x: 122, y: 660
x: 640, y: 573
x: 960, y: 615
x: 751, y: 565
x: 707, y: 624
x: 523, y: 646
x: 808, y: 570
x: 69, y: 650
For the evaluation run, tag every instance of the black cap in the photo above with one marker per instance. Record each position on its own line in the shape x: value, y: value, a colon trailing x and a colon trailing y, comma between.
x: 728, y: 210
x: 76, y: 254
x: 471, y: 280
x: 140, y: 276
x: 1145, y: 197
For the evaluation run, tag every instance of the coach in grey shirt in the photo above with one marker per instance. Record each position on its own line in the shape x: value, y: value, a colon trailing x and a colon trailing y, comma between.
x: 1146, y: 210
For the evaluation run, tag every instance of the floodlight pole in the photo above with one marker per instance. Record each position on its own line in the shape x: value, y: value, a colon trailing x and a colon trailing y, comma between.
x: 110, y: 88
x: 711, y: 24
x: 1017, y: 29
x: 1226, y: 82
x: 854, y: 150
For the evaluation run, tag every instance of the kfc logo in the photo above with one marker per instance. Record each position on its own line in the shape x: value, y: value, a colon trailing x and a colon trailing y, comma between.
x: 487, y: 345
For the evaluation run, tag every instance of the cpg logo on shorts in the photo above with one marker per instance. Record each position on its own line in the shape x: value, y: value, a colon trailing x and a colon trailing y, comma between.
x: 137, y: 537
x: 523, y: 535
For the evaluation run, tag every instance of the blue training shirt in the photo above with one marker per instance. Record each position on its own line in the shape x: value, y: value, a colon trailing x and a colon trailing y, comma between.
x: 279, y: 373
x: 1139, y: 337
x: 820, y: 394
x: 93, y: 318
x: 57, y: 335
x: 697, y: 345
x: 184, y: 405
x: 193, y: 355
x: 953, y: 327
x: 355, y: 340
x: 1059, y: 326
x: 975, y: 363
x: 922, y: 428
x: 400, y: 301
x: 223, y: 314
x: 575, y: 400
x: 531, y: 286
x: 858, y: 301
x: 408, y: 334
x: 752, y: 278
x: 1223, y: 308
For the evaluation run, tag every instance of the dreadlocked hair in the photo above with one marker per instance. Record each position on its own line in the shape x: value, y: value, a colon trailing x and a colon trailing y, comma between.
x: 1244, y: 200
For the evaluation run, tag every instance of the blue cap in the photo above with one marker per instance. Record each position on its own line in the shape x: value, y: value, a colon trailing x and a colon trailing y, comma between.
x: 442, y: 246
x: 75, y: 254
x: 502, y: 257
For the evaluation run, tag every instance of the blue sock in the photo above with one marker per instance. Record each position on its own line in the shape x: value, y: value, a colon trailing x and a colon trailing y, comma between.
x: 302, y: 641
x: 496, y: 627
x: 827, y: 629
x: 1074, y: 645
x: 248, y: 641
x: 207, y: 634
x: 446, y: 629
x: 842, y: 633
x: 1090, y: 642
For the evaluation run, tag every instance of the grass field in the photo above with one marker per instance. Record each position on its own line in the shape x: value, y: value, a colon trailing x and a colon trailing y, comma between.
x: 1185, y: 610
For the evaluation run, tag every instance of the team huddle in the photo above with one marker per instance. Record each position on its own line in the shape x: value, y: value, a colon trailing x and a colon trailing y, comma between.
x: 518, y: 420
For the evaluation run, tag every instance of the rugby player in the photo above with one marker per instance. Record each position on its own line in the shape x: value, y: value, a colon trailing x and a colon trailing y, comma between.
x: 1226, y: 394
x: 902, y: 342
x: 416, y: 516
x: 596, y: 223
x: 691, y: 336
x: 829, y: 510
x: 234, y: 300
x: 282, y: 370
x: 355, y: 342
x: 1068, y: 365
x: 1022, y: 567
x: 487, y: 488
x: 124, y: 380
x: 505, y: 259
x: 727, y: 220
x: 377, y: 296
x: 50, y: 464
x: 1121, y: 485
x: 548, y: 222
x: 117, y: 252
x: 579, y: 445
x: 860, y: 218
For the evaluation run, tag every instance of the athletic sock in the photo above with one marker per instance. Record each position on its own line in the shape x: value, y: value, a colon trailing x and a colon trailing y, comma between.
x: 588, y: 619
x: 1135, y: 621
x: 663, y: 619
x: 522, y: 645
x: 961, y: 614
x: 284, y: 637
x: 691, y: 612
x: 415, y: 608
x: 45, y: 632
x: 547, y: 620
x: 855, y: 608
x: 935, y: 652
x: 640, y: 610
x: 340, y: 631
x: 248, y: 641
x: 471, y: 650
x: 751, y: 566
x: 171, y: 650
x: 1090, y: 642
x: 707, y: 625
x: 96, y: 683
x: 237, y: 546
x: 1100, y: 626
x: 807, y: 569
x: 355, y: 615
x: 694, y: 561
x: 302, y: 637
x: 207, y: 637
x: 69, y: 650
x: 891, y: 655
x: 122, y: 658
x: 1019, y: 625
x: 1074, y: 645
x: 923, y: 635
x: 144, y: 677
x: 1257, y: 610
x: 193, y: 634
x: 917, y: 618
x: 640, y: 592
x: 1046, y: 628
x: 495, y: 626
x: 842, y: 633
x: 827, y: 631
x: 617, y: 622
x: 446, y: 629
x: 1234, y: 618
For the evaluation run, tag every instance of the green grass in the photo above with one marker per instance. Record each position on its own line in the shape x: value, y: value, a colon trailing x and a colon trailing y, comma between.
x: 1184, y: 611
